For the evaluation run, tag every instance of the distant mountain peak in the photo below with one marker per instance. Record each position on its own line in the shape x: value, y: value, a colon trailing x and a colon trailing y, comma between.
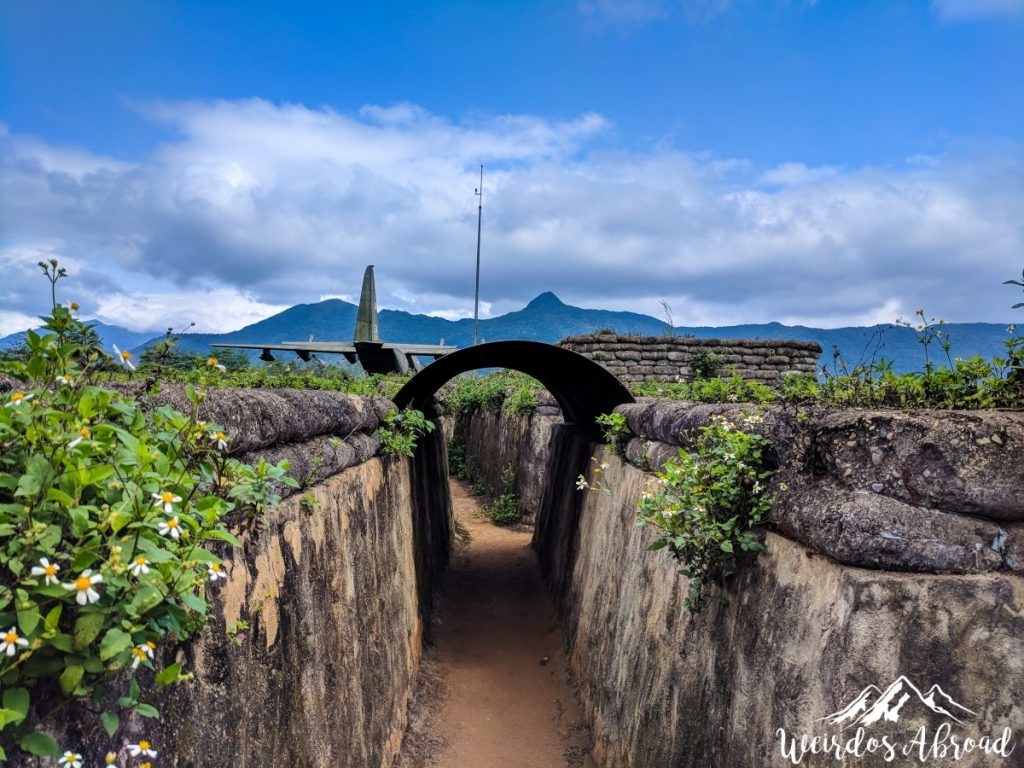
x: 546, y: 300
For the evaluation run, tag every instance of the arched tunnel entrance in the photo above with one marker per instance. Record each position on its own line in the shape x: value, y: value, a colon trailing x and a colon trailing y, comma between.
x: 584, y: 390
x: 495, y: 609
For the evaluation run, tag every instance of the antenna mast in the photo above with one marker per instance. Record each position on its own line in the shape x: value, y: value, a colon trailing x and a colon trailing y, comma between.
x: 479, y: 218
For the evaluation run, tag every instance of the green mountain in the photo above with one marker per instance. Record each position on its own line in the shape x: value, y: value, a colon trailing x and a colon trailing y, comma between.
x: 548, y: 319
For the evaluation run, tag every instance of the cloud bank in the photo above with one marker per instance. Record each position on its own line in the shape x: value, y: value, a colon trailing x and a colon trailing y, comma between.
x: 255, y: 206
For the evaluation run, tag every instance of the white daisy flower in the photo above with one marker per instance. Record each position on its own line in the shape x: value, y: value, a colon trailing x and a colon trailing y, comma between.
x: 10, y: 642
x: 142, y: 748
x: 171, y: 528
x: 47, y: 570
x: 167, y: 500
x: 83, y: 586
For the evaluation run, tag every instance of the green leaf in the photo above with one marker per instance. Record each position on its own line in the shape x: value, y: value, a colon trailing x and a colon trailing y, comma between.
x: 28, y: 619
x: 9, y: 716
x: 115, y: 641
x: 111, y: 722
x: 120, y: 520
x: 726, y: 546
x: 147, y: 711
x: 17, y: 700
x: 194, y: 601
x: 99, y: 474
x: 85, y: 558
x: 38, y: 744
x: 87, y: 629
x: 80, y: 523
x: 223, y: 535
x: 61, y: 497
x: 70, y: 678
x: 62, y: 642
x: 53, y: 618
x: 169, y: 674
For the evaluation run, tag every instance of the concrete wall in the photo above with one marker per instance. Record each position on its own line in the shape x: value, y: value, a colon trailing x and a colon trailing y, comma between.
x: 495, y: 440
x: 896, y: 551
x: 314, y: 638
x: 667, y: 358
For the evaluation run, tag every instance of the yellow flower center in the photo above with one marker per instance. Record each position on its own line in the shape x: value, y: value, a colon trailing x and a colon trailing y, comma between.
x: 151, y: 644
x: 126, y: 355
x: 82, y: 583
x: 143, y: 745
x: 11, y: 637
x: 215, y: 567
x: 140, y: 560
x: 167, y: 497
x: 172, y: 523
x: 17, y: 397
x: 84, y: 432
x: 211, y: 361
x: 50, y: 570
x: 221, y: 436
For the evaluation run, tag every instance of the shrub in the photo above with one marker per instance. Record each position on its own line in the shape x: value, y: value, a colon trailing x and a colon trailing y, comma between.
x: 705, y: 365
x: 707, y: 502
x: 108, y: 517
x: 505, y: 509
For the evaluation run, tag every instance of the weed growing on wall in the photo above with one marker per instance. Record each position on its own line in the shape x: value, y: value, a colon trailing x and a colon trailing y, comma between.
x: 707, y: 502
x: 402, y: 430
x: 108, y: 517
x: 706, y: 365
x: 599, y: 483
x: 614, y: 429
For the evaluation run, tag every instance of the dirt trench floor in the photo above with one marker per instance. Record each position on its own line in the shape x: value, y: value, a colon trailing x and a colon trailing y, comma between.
x: 493, y: 689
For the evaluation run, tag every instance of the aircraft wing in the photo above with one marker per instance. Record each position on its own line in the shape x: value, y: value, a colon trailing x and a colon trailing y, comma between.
x: 338, y: 348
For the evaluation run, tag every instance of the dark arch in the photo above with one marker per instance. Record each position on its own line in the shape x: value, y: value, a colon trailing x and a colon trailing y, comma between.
x: 583, y: 389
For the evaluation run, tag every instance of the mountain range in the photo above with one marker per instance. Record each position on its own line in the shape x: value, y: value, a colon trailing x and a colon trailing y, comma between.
x: 548, y: 319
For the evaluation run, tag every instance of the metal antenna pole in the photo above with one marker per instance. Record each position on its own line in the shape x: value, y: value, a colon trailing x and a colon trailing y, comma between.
x: 479, y: 218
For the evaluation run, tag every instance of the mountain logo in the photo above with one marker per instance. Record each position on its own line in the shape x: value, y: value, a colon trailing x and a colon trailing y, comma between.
x: 873, y: 705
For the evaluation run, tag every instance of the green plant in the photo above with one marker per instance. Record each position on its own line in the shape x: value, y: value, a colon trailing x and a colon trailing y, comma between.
x: 512, y: 391
x: 309, y: 502
x: 705, y: 365
x: 599, y: 484
x: 236, y: 632
x: 505, y: 509
x: 616, y: 432
x: 109, y: 516
x: 521, y: 401
x: 457, y: 458
x: 402, y: 430
x: 707, y: 502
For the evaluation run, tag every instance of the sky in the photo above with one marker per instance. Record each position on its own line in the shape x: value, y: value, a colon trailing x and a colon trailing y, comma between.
x: 815, y: 162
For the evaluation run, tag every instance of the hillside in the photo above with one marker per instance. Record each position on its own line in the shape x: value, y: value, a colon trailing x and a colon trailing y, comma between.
x: 548, y: 319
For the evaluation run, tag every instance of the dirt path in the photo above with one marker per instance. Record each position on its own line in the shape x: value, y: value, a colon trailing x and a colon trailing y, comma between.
x: 494, y: 689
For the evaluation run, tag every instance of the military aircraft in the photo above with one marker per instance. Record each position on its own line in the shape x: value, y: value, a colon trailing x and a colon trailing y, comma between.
x: 374, y: 355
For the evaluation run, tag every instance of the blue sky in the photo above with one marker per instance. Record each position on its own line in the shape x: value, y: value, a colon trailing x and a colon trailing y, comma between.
x: 828, y: 163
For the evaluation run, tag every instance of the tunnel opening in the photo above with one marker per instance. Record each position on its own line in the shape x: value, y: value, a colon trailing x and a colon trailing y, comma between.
x: 583, y: 389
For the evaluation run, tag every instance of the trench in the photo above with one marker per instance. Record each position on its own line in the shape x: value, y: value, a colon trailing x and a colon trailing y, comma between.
x: 494, y: 687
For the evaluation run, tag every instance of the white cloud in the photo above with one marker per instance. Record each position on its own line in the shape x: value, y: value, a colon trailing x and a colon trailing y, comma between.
x: 255, y: 206
x: 970, y: 10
